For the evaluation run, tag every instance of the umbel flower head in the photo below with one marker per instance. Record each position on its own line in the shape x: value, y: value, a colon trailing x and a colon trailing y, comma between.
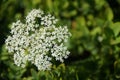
x: 39, y: 40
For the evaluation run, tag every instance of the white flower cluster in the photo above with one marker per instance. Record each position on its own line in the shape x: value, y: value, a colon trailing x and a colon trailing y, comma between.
x: 38, y: 40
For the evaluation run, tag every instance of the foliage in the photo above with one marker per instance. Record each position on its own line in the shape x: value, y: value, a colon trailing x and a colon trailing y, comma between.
x: 94, y: 45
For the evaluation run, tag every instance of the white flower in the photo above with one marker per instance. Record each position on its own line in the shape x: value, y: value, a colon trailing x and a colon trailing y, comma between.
x: 42, y: 62
x: 48, y: 20
x: 38, y: 42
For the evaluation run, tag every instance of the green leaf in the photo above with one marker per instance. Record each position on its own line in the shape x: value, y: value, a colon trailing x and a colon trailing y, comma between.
x: 108, y: 32
x: 96, y: 30
x: 81, y: 25
x: 116, y: 28
x: 34, y: 74
x: 65, y: 5
x: 116, y: 41
x: 109, y: 14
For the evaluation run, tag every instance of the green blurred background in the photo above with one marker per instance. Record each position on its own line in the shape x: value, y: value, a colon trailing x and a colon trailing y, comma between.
x: 94, y: 45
